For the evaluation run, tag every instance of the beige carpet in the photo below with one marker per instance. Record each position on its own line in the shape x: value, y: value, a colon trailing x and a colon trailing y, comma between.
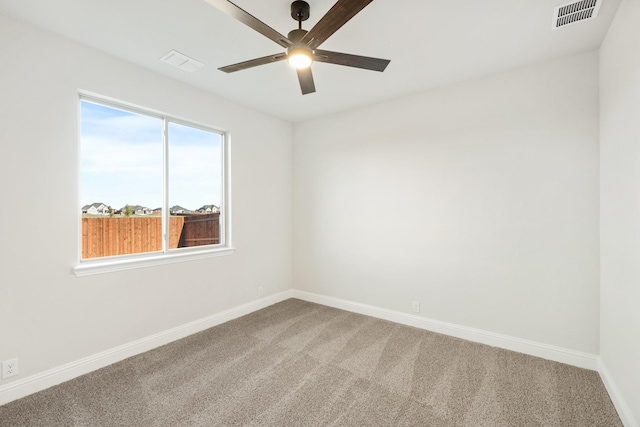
x: 302, y: 364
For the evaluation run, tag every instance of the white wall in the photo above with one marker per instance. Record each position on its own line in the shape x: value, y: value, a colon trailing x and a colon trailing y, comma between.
x: 480, y: 200
x: 620, y: 204
x: 49, y: 317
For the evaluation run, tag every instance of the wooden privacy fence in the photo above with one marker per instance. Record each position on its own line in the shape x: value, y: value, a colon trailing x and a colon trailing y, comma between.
x: 200, y: 230
x: 103, y: 237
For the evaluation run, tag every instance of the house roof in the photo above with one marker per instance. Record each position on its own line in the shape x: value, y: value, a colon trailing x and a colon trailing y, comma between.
x: 205, y: 207
x: 95, y: 205
x: 176, y: 208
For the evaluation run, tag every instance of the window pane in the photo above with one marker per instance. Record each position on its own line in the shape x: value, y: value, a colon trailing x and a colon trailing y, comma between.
x: 195, y: 186
x: 121, y: 181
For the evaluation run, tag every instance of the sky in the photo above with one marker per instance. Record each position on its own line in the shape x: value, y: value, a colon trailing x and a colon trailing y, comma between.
x: 122, y: 161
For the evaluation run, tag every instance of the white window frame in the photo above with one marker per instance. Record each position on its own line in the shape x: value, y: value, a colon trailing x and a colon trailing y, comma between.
x: 85, y: 267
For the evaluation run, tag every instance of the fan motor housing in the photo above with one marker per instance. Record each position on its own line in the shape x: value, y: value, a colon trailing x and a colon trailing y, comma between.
x: 296, y: 35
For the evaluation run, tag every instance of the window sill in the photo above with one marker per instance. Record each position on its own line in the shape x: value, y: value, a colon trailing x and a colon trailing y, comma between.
x: 90, y: 267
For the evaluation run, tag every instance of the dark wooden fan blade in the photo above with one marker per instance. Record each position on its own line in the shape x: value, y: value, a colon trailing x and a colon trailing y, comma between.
x: 249, y: 20
x: 357, y: 61
x: 306, y: 81
x: 336, y: 17
x: 253, y: 63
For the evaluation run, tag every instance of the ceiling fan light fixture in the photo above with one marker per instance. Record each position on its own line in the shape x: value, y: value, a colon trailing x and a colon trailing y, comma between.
x: 299, y: 58
x: 301, y: 44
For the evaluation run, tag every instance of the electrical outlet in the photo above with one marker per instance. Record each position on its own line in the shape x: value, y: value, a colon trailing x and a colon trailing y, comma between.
x: 10, y: 368
x: 415, y: 306
x: 260, y: 291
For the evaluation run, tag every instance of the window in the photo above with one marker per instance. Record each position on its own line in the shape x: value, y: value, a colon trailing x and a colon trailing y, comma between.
x: 152, y: 188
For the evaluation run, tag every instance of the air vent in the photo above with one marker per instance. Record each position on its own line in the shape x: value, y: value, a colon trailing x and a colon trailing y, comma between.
x: 570, y: 13
x: 181, y: 61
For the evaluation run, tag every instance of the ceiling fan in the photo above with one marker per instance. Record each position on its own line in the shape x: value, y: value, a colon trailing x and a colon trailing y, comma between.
x: 302, y: 45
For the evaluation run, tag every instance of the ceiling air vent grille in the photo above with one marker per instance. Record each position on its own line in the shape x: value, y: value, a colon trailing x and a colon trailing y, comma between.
x: 181, y: 61
x: 575, y: 11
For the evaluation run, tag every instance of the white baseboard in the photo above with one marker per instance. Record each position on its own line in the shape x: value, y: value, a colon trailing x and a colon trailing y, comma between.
x: 51, y: 377
x: 545, y: 351
x: 626, y: 416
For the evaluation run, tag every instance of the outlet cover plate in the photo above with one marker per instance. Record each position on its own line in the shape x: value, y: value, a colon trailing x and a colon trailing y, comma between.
x: 10, y: 368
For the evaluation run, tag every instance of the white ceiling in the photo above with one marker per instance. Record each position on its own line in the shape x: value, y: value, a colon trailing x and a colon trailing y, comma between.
x: 430, y: 43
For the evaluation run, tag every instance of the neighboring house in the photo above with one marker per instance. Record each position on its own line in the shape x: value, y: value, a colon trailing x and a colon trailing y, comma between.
x: 144, y: 211
x: 177, y: 209
x: 140, y: 210
x: 96, y: 209
x: 209, y: 209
